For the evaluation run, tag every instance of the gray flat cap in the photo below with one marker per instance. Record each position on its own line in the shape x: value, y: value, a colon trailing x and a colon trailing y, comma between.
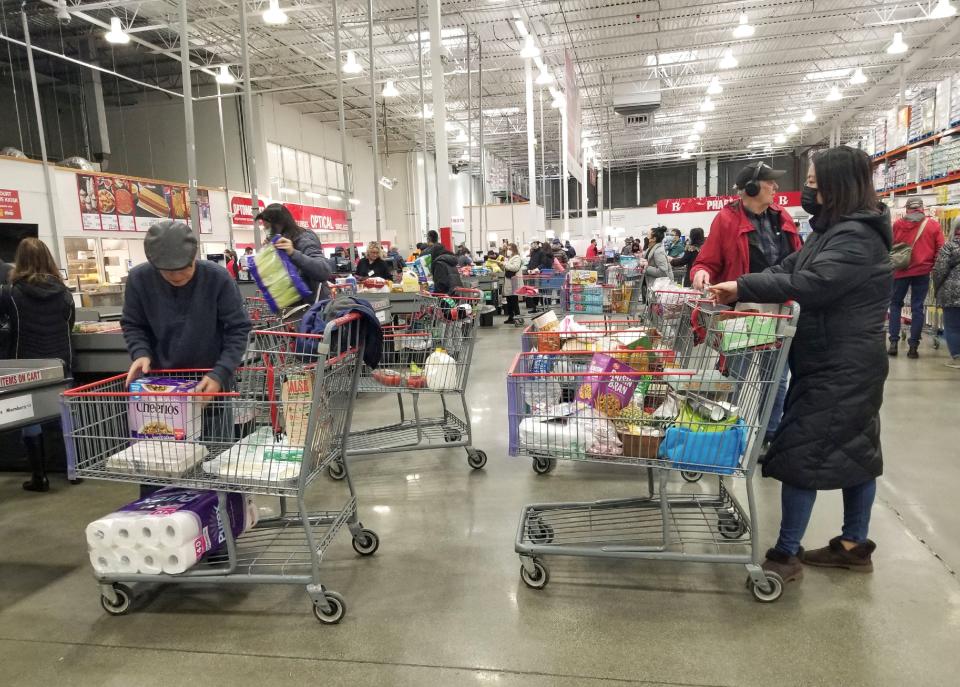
x: 170, y: 245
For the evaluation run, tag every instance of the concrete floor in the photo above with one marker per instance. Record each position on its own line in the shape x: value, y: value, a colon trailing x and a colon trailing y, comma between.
x: 442, y: 604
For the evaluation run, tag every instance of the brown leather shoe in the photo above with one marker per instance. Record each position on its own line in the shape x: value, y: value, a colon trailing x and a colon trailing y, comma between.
x: 834, y: 555
x: 789, y: 568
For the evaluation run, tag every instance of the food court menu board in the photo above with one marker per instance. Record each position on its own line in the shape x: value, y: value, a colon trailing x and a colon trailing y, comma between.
x: 112, y: 203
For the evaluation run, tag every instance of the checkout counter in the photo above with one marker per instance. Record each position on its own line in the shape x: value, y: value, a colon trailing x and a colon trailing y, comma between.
x: 30, y: 392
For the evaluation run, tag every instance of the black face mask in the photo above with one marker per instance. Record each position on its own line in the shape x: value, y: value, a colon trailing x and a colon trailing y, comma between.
x: 808, y: 201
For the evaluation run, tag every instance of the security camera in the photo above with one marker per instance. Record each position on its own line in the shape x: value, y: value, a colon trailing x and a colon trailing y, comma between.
x: 62, y: 15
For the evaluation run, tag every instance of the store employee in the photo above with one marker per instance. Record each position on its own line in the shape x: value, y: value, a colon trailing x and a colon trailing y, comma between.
x: 373, y: 264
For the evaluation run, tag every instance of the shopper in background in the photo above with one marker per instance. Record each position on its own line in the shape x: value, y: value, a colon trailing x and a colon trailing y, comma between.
x: 464, y: 258
x: 40, y: 313
x: 393, y: 255
x: 655, y: 261
x: 925, y: 236
x: 559, y: 255
x: 443, y: 265
x: 592, y: 250
x: 946, y: 283
x: 231, y: 263
x: 301, y: 245
x: 748, y: 236
x: 570, y: 250
x: 512, y: 281
x: 830, y: 434
x: 628, y: 246
x: 417, y: 252
x: 373, y: 265
x: 690, y: 252
x: 673, y: 244
x: 504, y: 246
x: 494, y: 261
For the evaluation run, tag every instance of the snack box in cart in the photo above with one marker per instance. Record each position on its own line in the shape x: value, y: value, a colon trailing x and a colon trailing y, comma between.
x: 153, y: 416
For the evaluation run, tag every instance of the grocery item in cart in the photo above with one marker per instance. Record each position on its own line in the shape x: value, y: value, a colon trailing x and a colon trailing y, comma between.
x: 257, y: 458
x: 296, y: 394
x: 582, y: 277
x: 749, y: 331
x: 167, y: 531
x: 152, y: 416
x: 612, y: 388
x: 157, y: 458
x: 441, y: 371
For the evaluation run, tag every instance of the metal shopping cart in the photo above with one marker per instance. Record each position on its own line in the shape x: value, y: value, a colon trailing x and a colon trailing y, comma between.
x: 664, y: 310
x: 588, y: 329
x: 285, y: 423
x: 703, y: 407
x: 412, y: 367
x: 550, y: 291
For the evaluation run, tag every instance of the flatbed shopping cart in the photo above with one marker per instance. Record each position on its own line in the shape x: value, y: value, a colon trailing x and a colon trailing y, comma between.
x: 285, y: 423
x: 702, y: 406
x: 427, y: 356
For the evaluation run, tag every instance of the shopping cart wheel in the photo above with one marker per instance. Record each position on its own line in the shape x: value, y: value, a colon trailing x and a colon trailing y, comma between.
x: 774, y: 588
x: 730, y: 526
x: 337, y: 609
x: 476, y: 458
x: 542, y: 466
x: 336, y: 470
x: 540, y: 532
x: 366, y: 543
x: 936, y: 344
x: 123, y: 602
x: 451, y: 436
x: 691, y: 476
x: 538, y: 578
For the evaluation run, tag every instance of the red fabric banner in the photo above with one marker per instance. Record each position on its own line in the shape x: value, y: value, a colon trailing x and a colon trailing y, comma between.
x: 669, y: 206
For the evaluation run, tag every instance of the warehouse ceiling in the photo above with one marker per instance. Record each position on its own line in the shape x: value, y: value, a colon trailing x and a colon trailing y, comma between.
x: 798, y: 52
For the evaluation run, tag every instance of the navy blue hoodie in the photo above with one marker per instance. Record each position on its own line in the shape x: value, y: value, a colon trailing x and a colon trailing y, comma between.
x: 199, y: 325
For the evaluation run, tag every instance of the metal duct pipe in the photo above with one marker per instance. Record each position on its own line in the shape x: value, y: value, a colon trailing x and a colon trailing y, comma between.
x: 343, y: 130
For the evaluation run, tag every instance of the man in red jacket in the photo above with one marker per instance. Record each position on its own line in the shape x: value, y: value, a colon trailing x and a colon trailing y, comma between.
x: 916, y: 276
x: 747, y: 236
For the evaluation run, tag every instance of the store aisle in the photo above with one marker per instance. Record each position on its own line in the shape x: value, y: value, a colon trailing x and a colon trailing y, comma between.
x: 442, y: 604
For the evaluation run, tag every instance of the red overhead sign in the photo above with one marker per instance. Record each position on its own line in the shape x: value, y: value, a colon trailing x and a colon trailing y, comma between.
x: 9, y: 204
x: 318, y: 219
x: 669, y: 206
x: 240, y: 209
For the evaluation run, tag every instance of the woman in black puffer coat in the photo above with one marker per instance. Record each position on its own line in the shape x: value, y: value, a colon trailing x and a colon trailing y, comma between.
x: 829, y: 437
x: 40, y: 311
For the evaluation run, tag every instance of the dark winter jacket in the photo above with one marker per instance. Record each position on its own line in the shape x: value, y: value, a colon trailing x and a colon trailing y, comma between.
x: 376, y: 268
x: 41, y: 320
x: 542, y: 259
x: 315, y: 269
x: 443, y: 266
x: 829, y: 437
x: 201, y: 324
x: 946, y: 275
x: 322, y: 312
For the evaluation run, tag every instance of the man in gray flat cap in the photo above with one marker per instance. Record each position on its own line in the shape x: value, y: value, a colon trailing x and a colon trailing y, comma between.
x: 183, y: 313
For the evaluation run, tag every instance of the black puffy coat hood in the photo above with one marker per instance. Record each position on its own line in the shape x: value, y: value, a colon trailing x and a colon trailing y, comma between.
x: 41, y: 320
x: 829, y: 437
x: 878, y: 220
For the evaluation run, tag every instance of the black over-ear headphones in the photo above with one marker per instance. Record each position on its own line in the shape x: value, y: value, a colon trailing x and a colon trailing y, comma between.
x: 752, y: 187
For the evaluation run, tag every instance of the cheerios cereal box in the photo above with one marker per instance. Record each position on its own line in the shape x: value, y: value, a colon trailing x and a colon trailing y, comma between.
x: 155, y: 416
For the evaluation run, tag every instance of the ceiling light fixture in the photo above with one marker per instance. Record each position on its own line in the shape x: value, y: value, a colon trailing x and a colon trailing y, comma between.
x: 354, y: 201
x: 743, y: 30
x: 389, y: 90
x: 699, y: 126
x: 707, y: 105
x: 544, y: 78
x: 808, y: 117
x: 559, y: 102
x: 693, y: 137
x: 779, y: 139
x: 943, y: 10
x: 273, y: 14
x: 685, y: 155
x: 792, y: 129
x: 715, y: 88
x: 728, y: 61
x: 333, y: 198
x: 116, y: 34
x: 426, y: 113
x: 530, y: 49
x: 834, y: 94
x: 224, y: 76
x: 897, y: 47
x: 688, y: 146
x: 828, y: 74
x: 462, y: 136
x: 351, y: 66
x: 858, y: 77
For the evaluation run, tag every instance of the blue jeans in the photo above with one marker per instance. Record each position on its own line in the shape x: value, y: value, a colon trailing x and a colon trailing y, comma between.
x: 918, y: 295
x: 796, y: 505
x: 951, y: 330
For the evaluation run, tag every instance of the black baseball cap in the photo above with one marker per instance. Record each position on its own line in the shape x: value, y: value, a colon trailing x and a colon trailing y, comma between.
x: 170, y: 245
x: 765, y: 173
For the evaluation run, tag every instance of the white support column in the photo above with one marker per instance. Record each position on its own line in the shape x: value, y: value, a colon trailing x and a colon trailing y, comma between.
x: 531, y: 150
x: 713, y: 183
x: 701, y: 176
x: 599, y: 202
x: 564, y: 186
x: 439, y: 120
x: 584, y: 196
